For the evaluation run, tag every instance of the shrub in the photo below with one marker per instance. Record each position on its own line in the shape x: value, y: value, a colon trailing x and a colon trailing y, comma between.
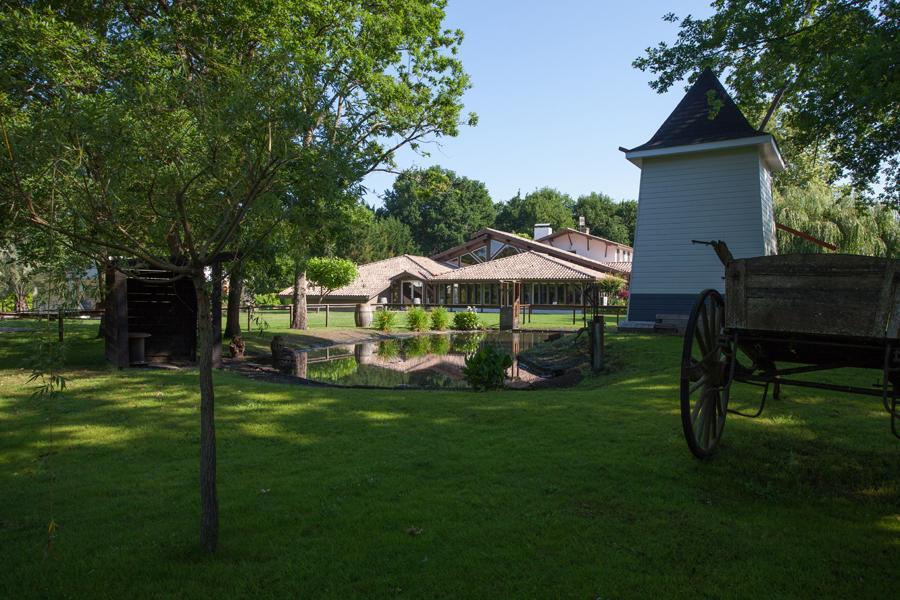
x: 610, y: 286
x: 384, y: 320
x: 467, y: 343
x: 440, y: 344
x: 486, y: 369
x: 440, y: 318
x: 270, y: 299
x: 419, y: 345
x: 466, y: 321
x: 417, y: 318
x: 389, y: 349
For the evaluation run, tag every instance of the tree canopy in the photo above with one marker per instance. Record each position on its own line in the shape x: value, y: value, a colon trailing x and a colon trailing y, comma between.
x: 441, y: 208
x: 834, y: 215
x: 607, y: 218
x: 330, y: 273
x: 182, y: 133
x: 544, y: 205
x: 831, y: 67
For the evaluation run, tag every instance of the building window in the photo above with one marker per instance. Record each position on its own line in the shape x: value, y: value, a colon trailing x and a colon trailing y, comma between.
x: 506, y: 251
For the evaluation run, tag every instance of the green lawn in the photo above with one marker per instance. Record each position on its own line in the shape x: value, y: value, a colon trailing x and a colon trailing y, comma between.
x: 280, y: 319
x: 582, y: 493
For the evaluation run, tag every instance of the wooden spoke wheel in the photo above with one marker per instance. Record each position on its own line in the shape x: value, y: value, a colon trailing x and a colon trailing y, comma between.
x: 705, y: 374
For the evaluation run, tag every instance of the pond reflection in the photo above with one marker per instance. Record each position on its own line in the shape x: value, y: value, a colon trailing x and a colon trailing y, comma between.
x: 423, y: 361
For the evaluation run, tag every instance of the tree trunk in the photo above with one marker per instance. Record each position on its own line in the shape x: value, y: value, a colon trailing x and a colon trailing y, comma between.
x: 21, y: 301
x: 300, y: 320
x: 235, y: 291
x: 209, y: 502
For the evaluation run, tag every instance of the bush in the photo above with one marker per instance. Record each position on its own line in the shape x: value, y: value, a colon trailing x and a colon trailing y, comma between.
x: 417, y: 318
x: 467, y: 343
x: 389, y: 349
x: 466, y: 321
x: 419, y: 345
x: 440, y: 344
x: 440, y: 318
x: 486, y: 369
x: 270, y: 299
x: 384, y: 320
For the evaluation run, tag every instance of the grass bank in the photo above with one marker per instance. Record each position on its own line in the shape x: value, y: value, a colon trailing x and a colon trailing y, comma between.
x: 581, y: 493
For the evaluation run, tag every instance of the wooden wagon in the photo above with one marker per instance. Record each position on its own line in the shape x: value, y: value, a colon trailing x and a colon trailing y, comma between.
x: 783, y: 316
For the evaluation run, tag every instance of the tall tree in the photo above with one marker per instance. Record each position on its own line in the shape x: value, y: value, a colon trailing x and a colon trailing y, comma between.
x: 831, y: 65
x: 544, y: 205
x: 626, y: 211
x: 601, y: 215
x: 441, y: 208
x: 165, y: 131
x: 371, y: 237
x: 834, y: 215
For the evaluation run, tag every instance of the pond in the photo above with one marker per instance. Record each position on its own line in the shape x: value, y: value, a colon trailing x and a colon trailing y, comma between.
x: 423, y: 361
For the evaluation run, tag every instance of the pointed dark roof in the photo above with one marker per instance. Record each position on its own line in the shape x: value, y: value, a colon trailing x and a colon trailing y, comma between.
x: 705, y: 114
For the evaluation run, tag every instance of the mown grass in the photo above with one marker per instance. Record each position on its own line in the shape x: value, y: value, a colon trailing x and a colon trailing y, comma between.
x: 280, y: 320
x: 266, y: 324
x: 583, y: 493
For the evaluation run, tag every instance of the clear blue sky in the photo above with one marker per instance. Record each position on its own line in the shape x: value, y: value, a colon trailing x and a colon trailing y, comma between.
x: 555, y: 94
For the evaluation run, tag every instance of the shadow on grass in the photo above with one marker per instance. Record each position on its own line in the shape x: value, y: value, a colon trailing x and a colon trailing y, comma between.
x: 578, y: 488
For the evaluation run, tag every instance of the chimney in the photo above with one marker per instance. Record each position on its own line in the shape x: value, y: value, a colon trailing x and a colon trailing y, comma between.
x: 542, y: 230
x: 582, y: 227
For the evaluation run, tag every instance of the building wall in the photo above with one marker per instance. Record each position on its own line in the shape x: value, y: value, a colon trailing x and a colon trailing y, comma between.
x: 704, y: 196
x: 598, y: 250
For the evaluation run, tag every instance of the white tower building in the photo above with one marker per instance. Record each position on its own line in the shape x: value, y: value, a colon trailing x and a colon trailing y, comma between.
x: 705, y: 175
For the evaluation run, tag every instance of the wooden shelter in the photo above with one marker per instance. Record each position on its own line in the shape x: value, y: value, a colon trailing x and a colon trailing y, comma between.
x: 151, y: 316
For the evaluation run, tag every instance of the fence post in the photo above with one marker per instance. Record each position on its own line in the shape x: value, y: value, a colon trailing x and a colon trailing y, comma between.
x: 249, y: 308
x: 573, y: 315
x: 597, y: 343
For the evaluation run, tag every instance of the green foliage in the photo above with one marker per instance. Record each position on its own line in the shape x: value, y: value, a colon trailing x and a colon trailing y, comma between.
x: 417, y: 319
x: 607, y: 218
x: 467, y: 343
x: 270, y: 299
x: 486, y: 369
x: 466, y: 321
x: 384, y: 320
x: 389, y: 349
x: 440, y: 344
x: 832, y: 65
x: 330, y: 273
x: 419, y: 345
x: 440, y: 318
x: 441, y: 208
x: 545, y: 205
x: 377, y: 237
x: 332, y: 370
x: 835, y: 216
x: 610, y: 286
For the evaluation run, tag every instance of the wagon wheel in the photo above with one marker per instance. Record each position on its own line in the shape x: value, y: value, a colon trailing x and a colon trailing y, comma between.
x: 705, y: 374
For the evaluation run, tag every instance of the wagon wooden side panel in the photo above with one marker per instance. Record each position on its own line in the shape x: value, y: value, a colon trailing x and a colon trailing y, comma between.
x: 817, y: 294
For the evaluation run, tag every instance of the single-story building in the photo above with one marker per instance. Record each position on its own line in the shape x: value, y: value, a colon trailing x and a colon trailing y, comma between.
x: 553, y: 271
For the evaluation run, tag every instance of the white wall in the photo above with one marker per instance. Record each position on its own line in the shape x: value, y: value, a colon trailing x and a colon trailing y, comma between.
x: 702, y: 196
x: 594, y: 249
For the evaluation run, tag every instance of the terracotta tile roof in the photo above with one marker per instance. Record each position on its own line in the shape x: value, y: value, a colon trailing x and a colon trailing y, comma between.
x: 527, y: 244
x: 376, y: 277
x: 525, y: 266
x: 692, y: 121
x: 625, y: 267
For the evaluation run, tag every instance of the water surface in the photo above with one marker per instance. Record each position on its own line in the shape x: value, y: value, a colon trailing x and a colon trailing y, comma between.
x: 424, y: 361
